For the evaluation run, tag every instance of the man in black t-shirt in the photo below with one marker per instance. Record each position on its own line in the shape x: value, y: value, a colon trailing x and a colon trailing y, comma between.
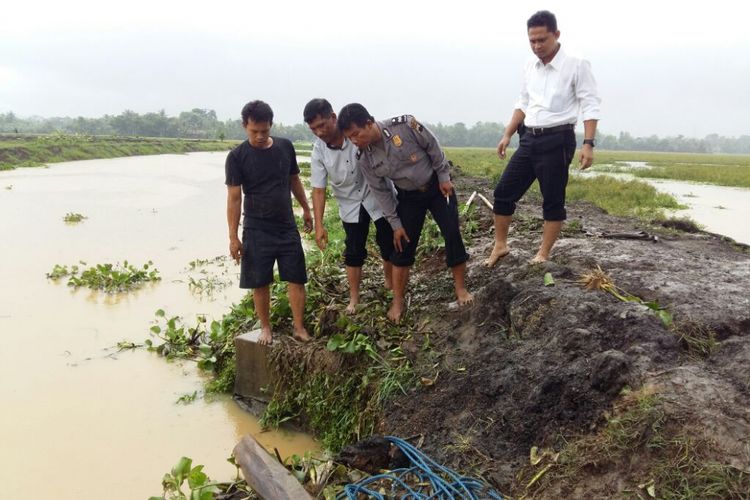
x: 265, y: 169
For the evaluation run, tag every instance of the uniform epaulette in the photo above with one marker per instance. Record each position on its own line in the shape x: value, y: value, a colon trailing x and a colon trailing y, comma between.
x: 399, y: 119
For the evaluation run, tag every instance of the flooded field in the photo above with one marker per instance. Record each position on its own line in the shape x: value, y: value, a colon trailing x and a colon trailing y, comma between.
x: 717, y: 209
x: 80, y: 419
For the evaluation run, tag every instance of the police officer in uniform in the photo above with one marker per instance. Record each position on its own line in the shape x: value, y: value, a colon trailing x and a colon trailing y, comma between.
x: 405, y: 152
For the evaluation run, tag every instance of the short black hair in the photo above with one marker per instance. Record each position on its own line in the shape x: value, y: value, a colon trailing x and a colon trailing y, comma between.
x: 353, y: 114
x: 543, y: 18
x: 317, y: 107
x: 257, y: 111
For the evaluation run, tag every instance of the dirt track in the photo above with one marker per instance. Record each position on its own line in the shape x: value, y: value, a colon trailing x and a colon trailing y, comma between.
x: 533, y: 365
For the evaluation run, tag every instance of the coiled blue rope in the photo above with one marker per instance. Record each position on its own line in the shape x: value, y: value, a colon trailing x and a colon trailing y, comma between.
x: 429, y: 481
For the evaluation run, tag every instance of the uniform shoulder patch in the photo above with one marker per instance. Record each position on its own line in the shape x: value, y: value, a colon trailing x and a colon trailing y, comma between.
x: 414, y: 124
x: 399, y: 119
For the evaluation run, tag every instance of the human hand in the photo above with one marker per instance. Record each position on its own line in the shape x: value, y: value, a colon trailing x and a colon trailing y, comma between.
x: 587, y: 157
x: 446, y: 188
x: 321, y: 236
x: 502, y: 146
x: 235, y: 249
x: 308, y: 221
x: 398, y: 234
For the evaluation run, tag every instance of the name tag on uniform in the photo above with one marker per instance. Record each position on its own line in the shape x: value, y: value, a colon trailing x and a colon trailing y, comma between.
x: 397, y: 141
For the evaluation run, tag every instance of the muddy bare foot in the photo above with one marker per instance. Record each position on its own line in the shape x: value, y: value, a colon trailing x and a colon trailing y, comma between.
x: 302, y: 335
x: 266, y: 337
x: 498, y: 252
x: 539, y: 259
x: 352, y: 307
x: 464, y: 298
x: 396, y: 311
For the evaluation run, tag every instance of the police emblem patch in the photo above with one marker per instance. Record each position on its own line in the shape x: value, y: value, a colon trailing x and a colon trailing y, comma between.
x: 397, y: 141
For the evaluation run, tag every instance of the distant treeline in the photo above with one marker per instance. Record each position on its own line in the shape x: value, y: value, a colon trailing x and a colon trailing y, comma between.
x: 204, y: 124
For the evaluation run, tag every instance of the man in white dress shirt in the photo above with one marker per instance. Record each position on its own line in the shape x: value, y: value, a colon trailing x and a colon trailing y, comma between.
x: 334, y: 162
x: 557, y: 88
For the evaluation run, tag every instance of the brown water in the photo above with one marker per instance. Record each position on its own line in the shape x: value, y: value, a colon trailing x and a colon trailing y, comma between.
x: 79, y: 419
x: 717, y: 209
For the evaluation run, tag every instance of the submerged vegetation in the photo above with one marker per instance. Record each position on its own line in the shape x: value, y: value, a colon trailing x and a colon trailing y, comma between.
x: 110, y: 278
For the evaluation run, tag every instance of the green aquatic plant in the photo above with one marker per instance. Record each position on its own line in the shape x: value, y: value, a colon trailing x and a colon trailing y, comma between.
x: 73, y: 217
x: 110, y: 278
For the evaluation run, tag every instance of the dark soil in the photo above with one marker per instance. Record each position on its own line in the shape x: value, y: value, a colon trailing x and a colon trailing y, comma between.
x: 529, y: 365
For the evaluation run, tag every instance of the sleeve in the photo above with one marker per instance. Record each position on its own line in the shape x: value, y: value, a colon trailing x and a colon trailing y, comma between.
x: 586, y: 92
x: 430, y: 144
x: 523, y: 98
x: 293, y: 167
x: 383, y: 192
x: 318, y: 174
x: 232, y: 171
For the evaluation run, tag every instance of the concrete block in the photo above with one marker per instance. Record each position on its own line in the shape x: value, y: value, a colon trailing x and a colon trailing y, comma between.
x: 253, y: 374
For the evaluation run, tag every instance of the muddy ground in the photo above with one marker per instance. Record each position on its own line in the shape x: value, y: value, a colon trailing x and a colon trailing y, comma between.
x: 534, y: 365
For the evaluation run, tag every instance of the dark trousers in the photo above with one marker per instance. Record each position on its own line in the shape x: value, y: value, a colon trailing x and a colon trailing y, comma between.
x: 412, y: 208
x: 545, y: 158
x: 355, y: 245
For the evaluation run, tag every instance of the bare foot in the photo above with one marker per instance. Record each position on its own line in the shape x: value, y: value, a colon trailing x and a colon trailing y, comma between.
x: 498, y: 252
x: 395, y: 312
x: 266, y: 337
x: 464, y: 297
x: 539, y: 259
x: 302, y: 335
x: 352, y: 307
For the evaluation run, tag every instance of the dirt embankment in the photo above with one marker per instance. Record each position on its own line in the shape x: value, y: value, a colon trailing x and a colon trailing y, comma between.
x: 548, y: 366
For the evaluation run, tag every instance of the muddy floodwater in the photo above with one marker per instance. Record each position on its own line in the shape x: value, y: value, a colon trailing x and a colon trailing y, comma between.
x: 80, y: 419
x: 717, y: 209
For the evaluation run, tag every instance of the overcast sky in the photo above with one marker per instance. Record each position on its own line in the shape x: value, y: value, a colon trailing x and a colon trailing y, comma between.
x: 663, y: 67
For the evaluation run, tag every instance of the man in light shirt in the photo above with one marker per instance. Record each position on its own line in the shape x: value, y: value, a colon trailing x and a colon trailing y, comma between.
x: 557, y: 88
x: 334, y: 162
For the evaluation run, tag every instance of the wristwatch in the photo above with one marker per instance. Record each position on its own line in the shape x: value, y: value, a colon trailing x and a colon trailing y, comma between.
x: 590, y: 142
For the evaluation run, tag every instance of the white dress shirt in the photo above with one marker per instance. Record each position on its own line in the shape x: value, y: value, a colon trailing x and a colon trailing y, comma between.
x: 338, y: 167
x: 557, y: 92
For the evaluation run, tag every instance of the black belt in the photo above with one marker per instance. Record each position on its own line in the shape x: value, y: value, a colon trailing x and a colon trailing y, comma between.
x: 549, y: 130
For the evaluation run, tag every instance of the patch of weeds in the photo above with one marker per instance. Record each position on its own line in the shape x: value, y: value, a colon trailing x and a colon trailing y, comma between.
x: 572, y: 228
x: 74, y: 218
x: 658, y: 453
x: 597, y: 279
x: 684, y: 224
x: 200, y: 486
x: 696, y: 338
x: 110, y: 278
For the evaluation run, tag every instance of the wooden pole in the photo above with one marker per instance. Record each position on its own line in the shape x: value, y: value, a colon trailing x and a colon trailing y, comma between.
x: 265, y: 475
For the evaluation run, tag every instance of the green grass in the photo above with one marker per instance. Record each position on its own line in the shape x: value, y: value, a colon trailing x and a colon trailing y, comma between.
x: 617, y: 197
x: 722, y: 170
x: 35, y: 150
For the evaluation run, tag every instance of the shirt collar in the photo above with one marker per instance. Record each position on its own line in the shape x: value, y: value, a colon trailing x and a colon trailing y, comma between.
x: 556, y: 62
x: 343, y: 146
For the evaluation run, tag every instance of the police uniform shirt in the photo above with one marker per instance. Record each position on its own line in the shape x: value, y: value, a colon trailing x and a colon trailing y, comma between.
x: 338, y: 167
x: 557, y: 92
x: 408, y: 155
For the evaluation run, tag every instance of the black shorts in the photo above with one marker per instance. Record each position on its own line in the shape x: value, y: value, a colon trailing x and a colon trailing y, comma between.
x: 355, y: 249
x: 546, y: 158
x: 261, y: 248
x: 412, y: 209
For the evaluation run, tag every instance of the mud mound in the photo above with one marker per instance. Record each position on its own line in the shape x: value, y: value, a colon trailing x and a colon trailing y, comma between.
x: 530, y: 365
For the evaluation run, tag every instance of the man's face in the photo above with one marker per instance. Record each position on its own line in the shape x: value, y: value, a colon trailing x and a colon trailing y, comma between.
x: 324, y: 128
x: 543, y: 42
x: 258, y: 133
x: 361, y: 136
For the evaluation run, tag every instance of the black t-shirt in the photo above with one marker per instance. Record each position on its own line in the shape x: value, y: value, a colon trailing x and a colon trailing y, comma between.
x: 264, y: 175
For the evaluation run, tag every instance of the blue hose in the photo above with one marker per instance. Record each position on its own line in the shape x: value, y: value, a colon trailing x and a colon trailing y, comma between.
x: 431, y: 480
